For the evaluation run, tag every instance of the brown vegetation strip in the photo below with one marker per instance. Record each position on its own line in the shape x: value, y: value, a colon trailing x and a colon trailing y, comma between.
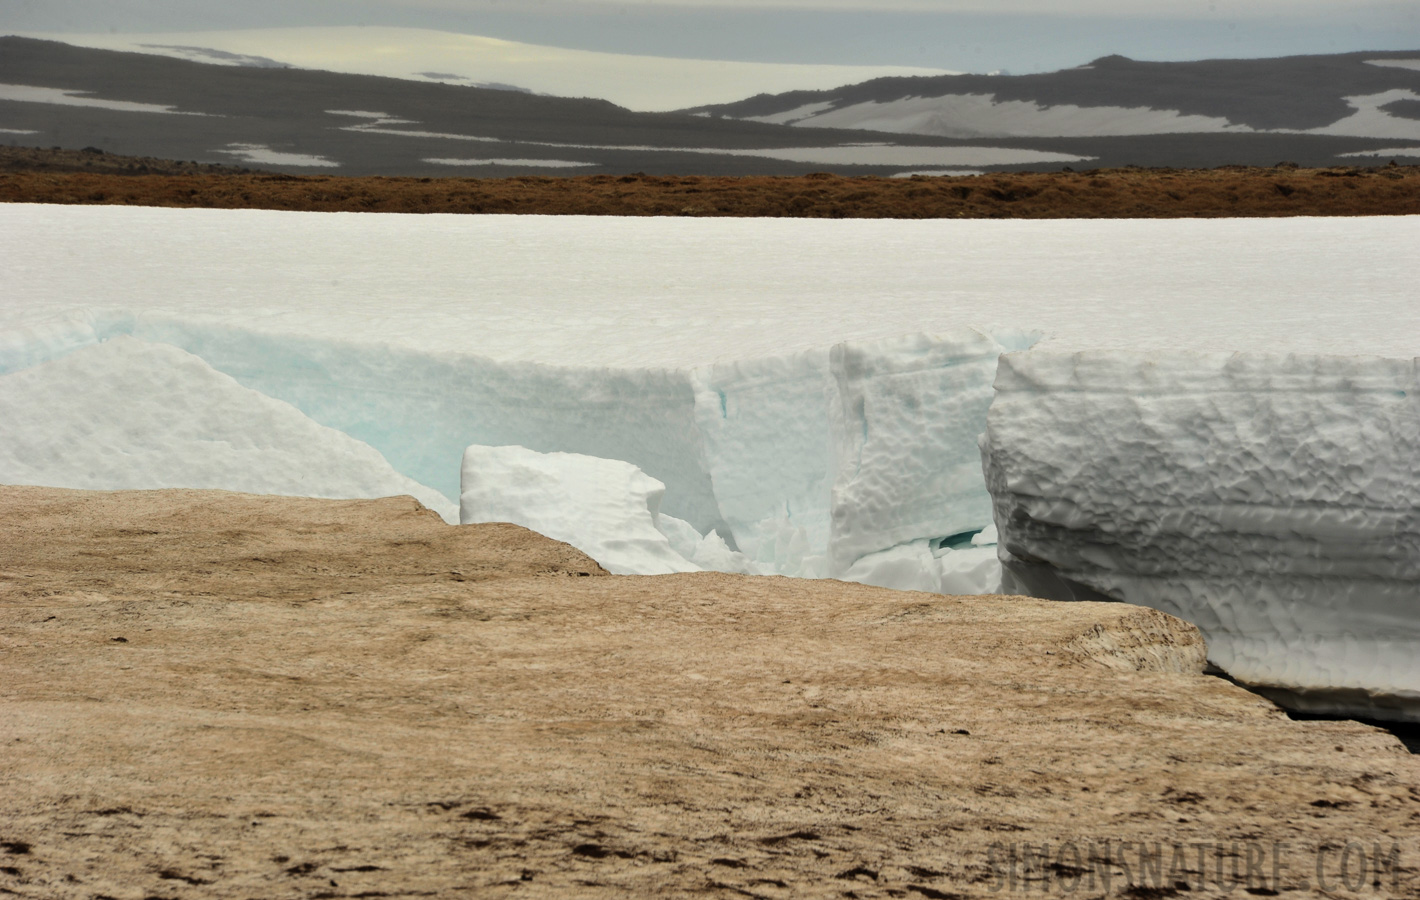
x: 1114, y: 193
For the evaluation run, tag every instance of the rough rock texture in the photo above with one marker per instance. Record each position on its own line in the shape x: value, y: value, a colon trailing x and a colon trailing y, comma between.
x: 219, y: 695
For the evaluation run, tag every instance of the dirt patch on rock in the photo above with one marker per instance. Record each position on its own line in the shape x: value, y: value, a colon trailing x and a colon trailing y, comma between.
x: 218, y: 695
x: 1112, y: 193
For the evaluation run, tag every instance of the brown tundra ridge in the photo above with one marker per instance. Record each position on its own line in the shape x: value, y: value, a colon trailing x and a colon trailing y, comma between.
x: 77, y: 177
x: 217, y: 695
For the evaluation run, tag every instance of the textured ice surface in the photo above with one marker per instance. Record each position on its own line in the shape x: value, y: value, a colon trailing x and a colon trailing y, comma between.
x: 606, y: 508
x: 904, y: 415
x: 764, y: 429
x: 1272, y: 500
x: 131, y: 415
x: 819, y: 458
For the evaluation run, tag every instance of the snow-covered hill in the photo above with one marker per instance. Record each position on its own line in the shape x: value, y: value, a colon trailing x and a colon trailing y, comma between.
x: 643, y: 83
x: 306, y: 120
x: 1374, y: 95
x: 1319, y: 111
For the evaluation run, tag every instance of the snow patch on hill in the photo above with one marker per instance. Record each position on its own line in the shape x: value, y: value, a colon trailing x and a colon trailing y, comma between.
x: 1413, y: 64
x: 982, y: 115
x: 262, y: 155
x: 1371, y: 120
x: 21, y: 93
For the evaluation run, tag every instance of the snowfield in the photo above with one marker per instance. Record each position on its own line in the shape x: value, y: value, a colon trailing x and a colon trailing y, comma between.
x: 1216, y: 418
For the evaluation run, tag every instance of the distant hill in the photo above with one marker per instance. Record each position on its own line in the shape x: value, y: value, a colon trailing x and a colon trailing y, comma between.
x: 307, y: 121
x: 641, y: 83
x: 1374, y: 95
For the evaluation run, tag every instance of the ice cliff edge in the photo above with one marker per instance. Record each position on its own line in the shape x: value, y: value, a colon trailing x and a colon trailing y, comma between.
x: 1274, y: 501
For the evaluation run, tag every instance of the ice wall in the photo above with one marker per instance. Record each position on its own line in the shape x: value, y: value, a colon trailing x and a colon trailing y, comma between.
x: 905, y: 414
x: 820, y: 458
x: 1274, y: 501
x: 128, y: 414
x: 422, y: 409
x: 768, y: 452
x: 804, y: 462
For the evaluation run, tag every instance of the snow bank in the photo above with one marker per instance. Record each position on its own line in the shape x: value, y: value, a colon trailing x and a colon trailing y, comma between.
x: 803, y: 462
x: 1274, y: 501
x: 132, y: 415
x: 606, y: 508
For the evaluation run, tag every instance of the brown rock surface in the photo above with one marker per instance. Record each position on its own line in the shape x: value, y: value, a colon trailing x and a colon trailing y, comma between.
x: 216, y: 695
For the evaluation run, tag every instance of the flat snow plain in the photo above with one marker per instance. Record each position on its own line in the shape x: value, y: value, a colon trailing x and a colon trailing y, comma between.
x: 813, y: 391
x: 654, y: 292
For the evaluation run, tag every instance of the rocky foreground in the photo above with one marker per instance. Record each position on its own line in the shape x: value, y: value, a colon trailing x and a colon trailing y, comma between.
x: 206, y: 694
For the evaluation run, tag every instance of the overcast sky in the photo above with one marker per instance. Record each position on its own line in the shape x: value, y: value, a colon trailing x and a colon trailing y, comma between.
x: 965, y: 35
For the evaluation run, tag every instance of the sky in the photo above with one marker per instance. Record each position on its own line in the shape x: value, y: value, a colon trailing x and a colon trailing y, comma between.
x: 1017, y: 36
